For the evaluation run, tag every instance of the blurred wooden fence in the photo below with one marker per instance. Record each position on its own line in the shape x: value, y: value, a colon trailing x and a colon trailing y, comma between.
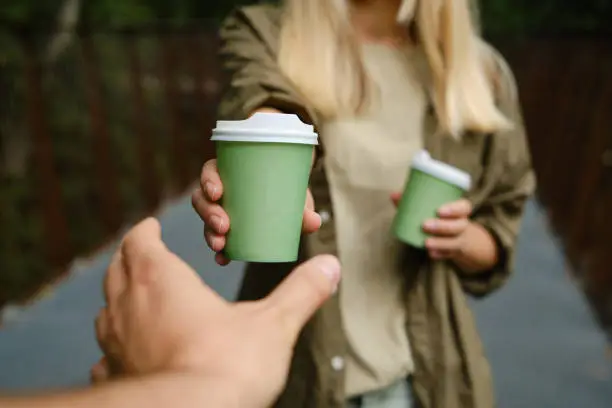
x: 94, y: 139
x: 566, y: 90
x: 119, y: 122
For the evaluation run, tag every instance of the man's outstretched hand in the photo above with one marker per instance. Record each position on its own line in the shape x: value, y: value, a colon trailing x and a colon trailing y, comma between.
x: 160, y: 317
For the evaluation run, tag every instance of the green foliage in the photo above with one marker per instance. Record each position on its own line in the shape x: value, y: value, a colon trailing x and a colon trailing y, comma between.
x: 39, y: 12
x: 523, y: 17
x: 66, y: 101
x: 104, y: 13
x: 117, y: 13
x: 22, y: 264
x: 508, y: 17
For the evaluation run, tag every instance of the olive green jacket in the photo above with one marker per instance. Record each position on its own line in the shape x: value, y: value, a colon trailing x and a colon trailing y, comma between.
x: 451, y: 370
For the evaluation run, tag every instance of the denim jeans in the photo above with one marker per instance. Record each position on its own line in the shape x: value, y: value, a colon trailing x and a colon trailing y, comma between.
x: 398, y: 395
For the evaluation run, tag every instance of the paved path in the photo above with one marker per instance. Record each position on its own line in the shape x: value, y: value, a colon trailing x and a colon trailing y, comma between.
x: 545, y: 348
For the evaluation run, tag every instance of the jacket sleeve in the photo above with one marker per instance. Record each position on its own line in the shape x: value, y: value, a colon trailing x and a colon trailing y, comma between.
x: 509, y: 165
x: 249, y: 42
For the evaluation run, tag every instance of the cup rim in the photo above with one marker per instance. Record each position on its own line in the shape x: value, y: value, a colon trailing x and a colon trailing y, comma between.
x: 266, y: 127
x: 424, y: 163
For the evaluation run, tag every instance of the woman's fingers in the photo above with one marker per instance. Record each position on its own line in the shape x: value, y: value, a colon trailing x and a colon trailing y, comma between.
x: 396, y: 198
x: 215, y: 241
x: 442, y: 247
x: 210, y: 181
x: 457, y: 209
x: 311, y: 221
x: 447, y: 230
x: 440, y: 255
x: 211, y: 213
x: 221, y: 259
x: 445, y: 227
x: 204, y: 199
x: 310, y: 204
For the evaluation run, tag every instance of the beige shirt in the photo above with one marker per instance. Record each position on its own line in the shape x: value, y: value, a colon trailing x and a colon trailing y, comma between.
x: 367, y: 159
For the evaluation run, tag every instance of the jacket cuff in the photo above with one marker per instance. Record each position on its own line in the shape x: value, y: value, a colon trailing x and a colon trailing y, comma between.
x: 486, y: 282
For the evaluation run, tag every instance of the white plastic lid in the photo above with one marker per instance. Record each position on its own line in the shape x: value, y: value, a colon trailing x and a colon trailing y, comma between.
x: 264, y: 127
x: 422, y: 161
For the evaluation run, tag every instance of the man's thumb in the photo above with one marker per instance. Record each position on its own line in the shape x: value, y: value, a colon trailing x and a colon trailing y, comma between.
x: 304, y: 291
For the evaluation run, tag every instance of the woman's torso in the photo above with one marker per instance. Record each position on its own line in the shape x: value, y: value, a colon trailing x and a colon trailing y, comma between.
x: 451, y: 370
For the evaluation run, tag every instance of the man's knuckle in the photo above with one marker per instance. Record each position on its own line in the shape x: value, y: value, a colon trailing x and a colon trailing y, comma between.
x: 101, y: 331
x: 106, y: 284
x: 143, y: 266
x: 130, y: 244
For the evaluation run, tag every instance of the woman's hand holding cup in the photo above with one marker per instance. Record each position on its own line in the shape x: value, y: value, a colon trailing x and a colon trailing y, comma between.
x: 206, y: 201
x: 447, y: 231
x: 433, y: 215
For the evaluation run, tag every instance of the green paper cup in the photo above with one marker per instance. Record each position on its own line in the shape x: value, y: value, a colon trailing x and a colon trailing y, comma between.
x: 264, y: 163
x: 431, y: 185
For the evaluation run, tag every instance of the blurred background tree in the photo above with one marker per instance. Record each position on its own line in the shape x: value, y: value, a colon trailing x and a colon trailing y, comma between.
x: 113, y: 13
x: 52, y: 25
x: 510, y: 17
x: 525, y: 17
x: 80, y: 75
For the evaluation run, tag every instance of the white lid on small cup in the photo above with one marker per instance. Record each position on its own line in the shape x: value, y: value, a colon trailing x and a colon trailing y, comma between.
x: 423, y: 162
x: 266, y: 127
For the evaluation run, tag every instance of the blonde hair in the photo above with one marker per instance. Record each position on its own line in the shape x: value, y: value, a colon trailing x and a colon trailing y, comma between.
x: 320, y: 54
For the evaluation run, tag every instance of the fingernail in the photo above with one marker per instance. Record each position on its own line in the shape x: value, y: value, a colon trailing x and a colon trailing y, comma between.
x: 445, y: 211
x: 320, y: 219
x: 211, y: 190
x: 330, y: 267
x: 431, y: 224
x: 216, y: 222
x: 216, y: 244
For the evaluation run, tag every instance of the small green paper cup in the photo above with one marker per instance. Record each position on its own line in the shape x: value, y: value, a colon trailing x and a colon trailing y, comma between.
x: 431, y: 185
x: 264, y: 163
